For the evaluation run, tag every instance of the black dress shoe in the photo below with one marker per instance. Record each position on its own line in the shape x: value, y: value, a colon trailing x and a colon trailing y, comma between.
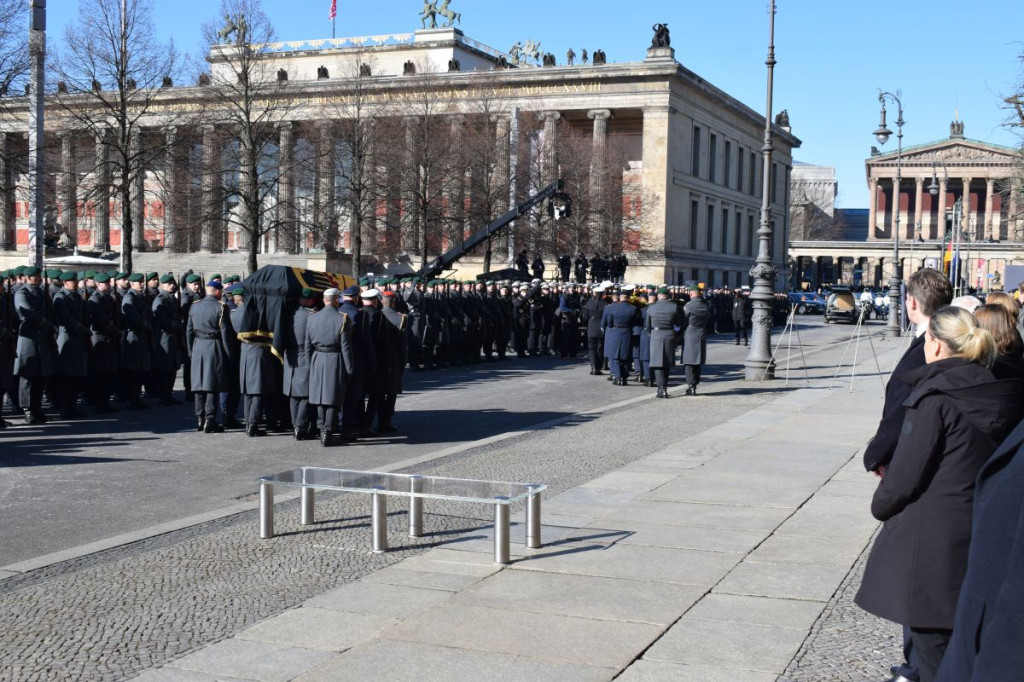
x: 387, y: 429
x: 598, y: 372
x: 325, y: 438
x: 212, y: 427
x: 367, y: 433
x: 689, y: 390
x: 233, y: 424
x: 200, y: 423
x: 253, y: 431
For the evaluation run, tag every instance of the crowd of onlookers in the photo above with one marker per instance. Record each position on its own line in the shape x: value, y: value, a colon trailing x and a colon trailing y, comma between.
x: 948, y: 564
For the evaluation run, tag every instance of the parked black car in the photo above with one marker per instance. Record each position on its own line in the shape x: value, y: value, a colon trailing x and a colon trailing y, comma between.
x: 841, y: 304
x: 806, y: 302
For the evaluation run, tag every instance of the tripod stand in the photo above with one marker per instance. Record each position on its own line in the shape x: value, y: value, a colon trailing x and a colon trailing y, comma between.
x: 787, y: 336
x: 855, y: 342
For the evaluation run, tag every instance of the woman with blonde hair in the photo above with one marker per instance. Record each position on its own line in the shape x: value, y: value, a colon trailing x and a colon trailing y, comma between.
x: 1006, y: 301
x: 1008, y: 363
x: 956, y: 415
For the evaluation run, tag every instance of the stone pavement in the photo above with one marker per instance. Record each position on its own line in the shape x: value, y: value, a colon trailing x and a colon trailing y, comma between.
x: 713, y: 558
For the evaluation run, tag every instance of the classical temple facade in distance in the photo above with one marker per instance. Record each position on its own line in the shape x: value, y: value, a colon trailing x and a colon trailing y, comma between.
x: 685, y: 179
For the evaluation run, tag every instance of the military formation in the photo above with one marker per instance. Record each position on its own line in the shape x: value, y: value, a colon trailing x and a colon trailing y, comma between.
x: 95, y: 338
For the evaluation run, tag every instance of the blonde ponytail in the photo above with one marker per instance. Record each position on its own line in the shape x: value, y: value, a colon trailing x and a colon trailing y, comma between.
x: 958, y: 330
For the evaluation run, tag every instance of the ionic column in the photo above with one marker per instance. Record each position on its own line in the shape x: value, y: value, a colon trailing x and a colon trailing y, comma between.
x: 873, y: 208
x: 101, y: 193
x: 68, y: 183
x: 286, y: 236
x: 600, y: 118
x: 172, y: 181
x: 138, y: 193
x: 327, y: 226
x: 8, y: 241
x: 837, y: 267
x: 212, y: 200
x: 986, y: 232
x: 940, y: 214
x: 550, y: 158
x: 918, y: 212
x: 502, y: 170
x: 965, y: 211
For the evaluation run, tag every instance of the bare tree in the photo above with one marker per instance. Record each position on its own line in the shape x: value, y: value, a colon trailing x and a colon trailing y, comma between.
x: 247, y: 100
x: 109, y: 74
x: 1013, y: 192
x: 14, y: 61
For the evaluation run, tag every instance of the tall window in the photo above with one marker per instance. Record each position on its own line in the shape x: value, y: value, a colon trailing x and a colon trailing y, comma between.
x: 694, y: 208
x: 713, y: 159
x: 725, y: 230
x: 709, y: 242
x: 740, y: 158
x: 695, y: 161
x: 752, y: 237
x: 753, y: 173
x: 775, y: 183
x: 736, y: 233
x: 727, y: 180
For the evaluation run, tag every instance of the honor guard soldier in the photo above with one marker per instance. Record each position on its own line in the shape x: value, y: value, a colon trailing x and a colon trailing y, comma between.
x: 742, y: 316
x: 593, y: 313
x: 34, y: 361
x: 363, y: 363
x: 695, y: 342
x: 393, y: 386
x: 331, y: 363
x: 233, y: 395
x: 296, y: 366
x: 209, y: 337
x: 617, y: 322
x: 73, y: 339
x: 257, y: 371
x: 664, y: 320
x: 106, y: 342
x: 190, y: 293
x: 136, y: 355
x: 169, y: 347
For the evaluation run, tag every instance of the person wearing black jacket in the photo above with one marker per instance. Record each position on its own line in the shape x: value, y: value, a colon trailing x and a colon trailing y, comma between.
x: 956, y: 415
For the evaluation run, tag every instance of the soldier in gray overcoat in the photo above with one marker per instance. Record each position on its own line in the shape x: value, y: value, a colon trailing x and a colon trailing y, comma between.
x: 329, y: 345
x: 73, y: 338
x: 664, y: 320
x: 695, y: 317
x: 106, y: 342
x: 394, y: 384
x: 257, y: 373
x: 33, y: 363
x: 208, y: 338
x: 137, y: 348
x: 167, y: 351
x: 296, y: 366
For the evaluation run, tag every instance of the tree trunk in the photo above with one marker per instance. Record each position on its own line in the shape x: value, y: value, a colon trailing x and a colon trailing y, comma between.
x: 356, y: 237
x: 127, y: 227
x: 254, y: 249
x: 487, y: 257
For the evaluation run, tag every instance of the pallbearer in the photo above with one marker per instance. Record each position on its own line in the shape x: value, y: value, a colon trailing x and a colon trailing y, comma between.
x: 664, y: 320
x: 329, y: 346
x: 209, y: 337
x: 695, y: 318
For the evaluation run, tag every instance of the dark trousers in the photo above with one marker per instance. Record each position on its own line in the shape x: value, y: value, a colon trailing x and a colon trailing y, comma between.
x: 929, y: 648
x: 229, y: 404
x: 742, y: 329
x: 66, y: 392
x: 908, y: 668
x: 206, y: 404
x: 352, y: 410
x: 253, y: 409
x: 595, y: 347
x: 692, y: 374
x: 327, y: 418
x: 387, y: 410
x: 30, y: 394
x: 132, y: 387
x: 300, y: 412
x: 186, y: 376
x: 99, y: 391
x: 661, y: 378
x: 620, y: 367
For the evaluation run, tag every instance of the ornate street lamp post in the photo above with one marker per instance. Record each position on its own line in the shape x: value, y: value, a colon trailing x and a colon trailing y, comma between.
x: 882, y: 134
x: 36, y: 141
x: 759, y: 365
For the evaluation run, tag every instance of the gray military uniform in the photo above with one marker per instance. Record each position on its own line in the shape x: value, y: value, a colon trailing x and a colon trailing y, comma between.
x: 331, y: 362
x: 695, y: 315
x: 663, y: 322
x: 208, y: 337
x: 33, y: 363
x: 296, y: 371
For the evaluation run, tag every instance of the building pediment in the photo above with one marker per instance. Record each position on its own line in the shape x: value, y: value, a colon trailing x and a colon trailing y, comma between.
x: 951, y: 151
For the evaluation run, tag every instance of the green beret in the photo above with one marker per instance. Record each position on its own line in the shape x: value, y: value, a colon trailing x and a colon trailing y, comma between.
x: 69, y: 276
x: 663, y: 291
x: 167, y: 278
x: 30, y: 270
x: 103, y: 276
x: 232, y: 278
x: 217, y: 276
x: 152, y: 275
x: 20, y: 270
x: 80, y: 275
x: 238, y: 291
x: 307, y: 293
x: 120, y: 275
x: 136, y: 277
x: 90, y: 274
x: 5, y: 273
x: 364, y: 281
x: 417, y: 280
x: 191, y: 279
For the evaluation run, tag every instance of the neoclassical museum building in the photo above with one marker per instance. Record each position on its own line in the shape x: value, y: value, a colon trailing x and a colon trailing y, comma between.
x: 950, y: 187
x: 690, y: 161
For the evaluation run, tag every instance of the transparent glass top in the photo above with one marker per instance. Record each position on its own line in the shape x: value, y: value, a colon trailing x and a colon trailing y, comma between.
x: 406, y: 485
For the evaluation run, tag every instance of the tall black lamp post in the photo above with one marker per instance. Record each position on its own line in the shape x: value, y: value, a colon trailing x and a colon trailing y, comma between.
x: 882, y: 134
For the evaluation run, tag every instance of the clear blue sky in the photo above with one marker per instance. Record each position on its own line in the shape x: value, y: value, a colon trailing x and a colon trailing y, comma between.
x: 833, y: 55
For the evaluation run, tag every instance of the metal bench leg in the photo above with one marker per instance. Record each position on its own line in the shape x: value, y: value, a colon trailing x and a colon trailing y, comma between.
x: 415, y: 507
x: 379, y: 514
x: 266, y: 510
x: 307, y: 506
x: 533, y: 520
x: 501, y: 531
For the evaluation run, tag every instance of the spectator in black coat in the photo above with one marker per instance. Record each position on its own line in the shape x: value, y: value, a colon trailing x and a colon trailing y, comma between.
x: 956, y: 415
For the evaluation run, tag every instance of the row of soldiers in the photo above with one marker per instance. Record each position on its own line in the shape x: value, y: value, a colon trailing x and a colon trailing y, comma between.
x: 581, y: 269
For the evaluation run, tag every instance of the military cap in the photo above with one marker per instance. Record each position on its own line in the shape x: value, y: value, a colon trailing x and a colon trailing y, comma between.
x: 193, y: 278
x: 389, y: 294
x: 370, y: 293
x: 216, y: 276
x: 103, y: 276
x: 69, y: 276
x: 232, y: 278
x: 332, y: 293
x: 663, y: 291
x: 152, y: 275
x: 5, y: 274
x: 364, y: 281
x: 89, y: 274
x: 693, y: 287
x: 307, y: 293
x: 167, y: 278
x: 237, y: 291
x: 120, y: 275
x: 351, y: 291
x: 136, y: 277
x: 30, y: 271
x: 418, y: 280
x: 215, y: 284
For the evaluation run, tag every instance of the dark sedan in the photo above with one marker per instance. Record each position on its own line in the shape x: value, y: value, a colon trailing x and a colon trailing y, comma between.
x: 806, y: 303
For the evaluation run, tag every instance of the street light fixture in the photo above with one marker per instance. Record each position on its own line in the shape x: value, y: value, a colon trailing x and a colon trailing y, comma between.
x: 882, y: 134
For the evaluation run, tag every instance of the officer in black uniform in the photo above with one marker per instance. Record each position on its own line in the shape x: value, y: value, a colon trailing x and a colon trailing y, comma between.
x: 593, y: 312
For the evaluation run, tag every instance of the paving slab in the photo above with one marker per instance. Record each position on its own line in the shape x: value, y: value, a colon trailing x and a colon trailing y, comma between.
x: 783, y: 581
x: 637, y: 562
x: 630, y: 480
x: 169, y: 674
x: 452, y: 561
x: 399, y: 661
x: 661, y: 671
x: 318, y: 629
x: 428, y: 580
x: 835, y: 516
x: 731, y: 645
x: 252, y: 660
x: 732, y: 608
x: 696, y: 491
x: 618, y: 599
x: 683, y: 537
x: 551, y: 637
x: 378, y: 599
x: 763, y: 519
x: 862, y: 488
x: 806, y: 550
x: 592, y: 502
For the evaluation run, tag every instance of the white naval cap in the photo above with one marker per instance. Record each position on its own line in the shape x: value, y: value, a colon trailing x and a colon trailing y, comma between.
x: 332, y: 293
x: 370, y: 293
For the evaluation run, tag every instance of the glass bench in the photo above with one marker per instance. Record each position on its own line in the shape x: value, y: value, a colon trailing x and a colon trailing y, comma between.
x: 413, y: 486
